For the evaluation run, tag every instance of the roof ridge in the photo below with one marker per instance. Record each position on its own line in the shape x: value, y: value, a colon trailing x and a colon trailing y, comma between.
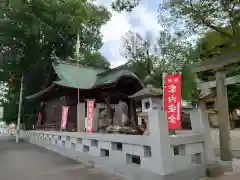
x: 121, y: 67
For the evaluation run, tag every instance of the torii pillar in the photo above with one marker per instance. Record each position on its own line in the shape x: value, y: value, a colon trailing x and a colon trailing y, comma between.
x: 223, y: 116
x: 218, y: 64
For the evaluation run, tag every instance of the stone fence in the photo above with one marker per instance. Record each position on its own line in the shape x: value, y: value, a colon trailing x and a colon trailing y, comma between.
x: 156, y: 157
x: 131, y: 156
x: 7, y: 131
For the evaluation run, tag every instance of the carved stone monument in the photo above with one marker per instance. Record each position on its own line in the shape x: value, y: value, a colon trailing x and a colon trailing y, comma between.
x: 121, y: 120
x: 103, y: 121
x: 120, y: 117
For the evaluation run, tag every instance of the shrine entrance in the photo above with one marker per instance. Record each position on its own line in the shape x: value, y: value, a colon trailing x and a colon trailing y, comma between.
x: 218, y: 66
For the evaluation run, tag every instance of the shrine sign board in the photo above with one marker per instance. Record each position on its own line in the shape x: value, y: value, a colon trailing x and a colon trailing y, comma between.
x: 90, y: 114
x: 172, y: 100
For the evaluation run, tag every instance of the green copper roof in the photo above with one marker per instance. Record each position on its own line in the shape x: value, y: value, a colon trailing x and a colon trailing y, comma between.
x: 62, y: 83
x: 111, y: 77
x: 86, y: 77
x: 75, y: 76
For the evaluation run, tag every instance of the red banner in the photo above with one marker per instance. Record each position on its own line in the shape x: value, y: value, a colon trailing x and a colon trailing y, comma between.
x: 90, y: 114
x: 64, y: 117
x: 172, y: 100
x: 39, y: 121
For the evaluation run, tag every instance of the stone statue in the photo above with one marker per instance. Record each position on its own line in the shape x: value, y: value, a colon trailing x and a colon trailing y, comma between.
x: 120, y: 117
x: 120, y: 120
x: 103, y: 122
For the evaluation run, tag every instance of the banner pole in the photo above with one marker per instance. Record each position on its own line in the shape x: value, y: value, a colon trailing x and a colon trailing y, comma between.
x: 163, y: 87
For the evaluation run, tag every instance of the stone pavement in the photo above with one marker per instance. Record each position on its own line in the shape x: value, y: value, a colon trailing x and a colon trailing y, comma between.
x: 25, y: 161
x: 230, y: 176
x: 235, y: 175
x: 235, y: 140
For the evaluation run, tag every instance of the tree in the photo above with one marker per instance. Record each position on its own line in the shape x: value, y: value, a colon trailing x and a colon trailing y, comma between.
x: 204, y: 18
x: 149, y: 57
x: 33, y: 33
x: 3, y: 92
x: 210, y: 45
x: 215, y: 22
x: 186, y: 18
x: 96, y: 60
x: 195, y: 15
x: 124, y: 5
x: 205, y: 15
x: 137, y: 50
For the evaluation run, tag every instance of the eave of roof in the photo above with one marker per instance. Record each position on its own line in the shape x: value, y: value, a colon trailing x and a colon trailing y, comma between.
x: 63, y: 83
x: 76, y: 76
x: 40, y: 93
x: 148, y: 91
x: 93, y: 78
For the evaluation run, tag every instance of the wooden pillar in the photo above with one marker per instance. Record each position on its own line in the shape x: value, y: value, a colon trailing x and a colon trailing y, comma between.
x: 133, y: 114
x: 223, y: 116
x: 81, y: 117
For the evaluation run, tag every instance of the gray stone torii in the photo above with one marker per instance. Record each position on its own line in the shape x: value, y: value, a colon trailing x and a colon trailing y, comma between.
x: 218, y: 64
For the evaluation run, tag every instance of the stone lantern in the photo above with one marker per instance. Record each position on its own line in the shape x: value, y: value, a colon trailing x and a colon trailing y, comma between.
x: 151, y: 98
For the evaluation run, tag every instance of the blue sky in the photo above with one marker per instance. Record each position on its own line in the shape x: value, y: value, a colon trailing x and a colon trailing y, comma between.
x: 141, y: 20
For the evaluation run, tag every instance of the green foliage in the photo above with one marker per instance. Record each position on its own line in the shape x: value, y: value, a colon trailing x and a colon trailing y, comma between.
x: 193, y: 17
x: 216, y: 22
x: 212, y: 44
x: 233, y: 96
x: 198, y: 17
x: 124, y: 5
x: 137, y: 50
x: 96, y: 60
x: 33, y: 33
x: 140, y: 69
x: 167, y: 55
x: 3, y: 92
x: 189, y: 85
x: 10, y: 112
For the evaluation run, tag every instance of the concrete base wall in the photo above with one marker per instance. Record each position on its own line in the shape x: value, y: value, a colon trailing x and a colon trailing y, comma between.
x: 129, y: 171
x: 91, y: 149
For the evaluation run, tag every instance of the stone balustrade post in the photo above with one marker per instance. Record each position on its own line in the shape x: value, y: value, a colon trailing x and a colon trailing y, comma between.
x: 160, y: 142
x: 200, y: 125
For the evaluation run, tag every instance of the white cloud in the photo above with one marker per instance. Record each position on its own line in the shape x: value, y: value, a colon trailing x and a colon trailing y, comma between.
x: 148, y: 20
x: 116, y: 27
x: 120, y: 24
x: 114, y: 53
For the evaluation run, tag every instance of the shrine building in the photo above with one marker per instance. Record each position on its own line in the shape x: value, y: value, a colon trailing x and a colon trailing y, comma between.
x: 74, y: 84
